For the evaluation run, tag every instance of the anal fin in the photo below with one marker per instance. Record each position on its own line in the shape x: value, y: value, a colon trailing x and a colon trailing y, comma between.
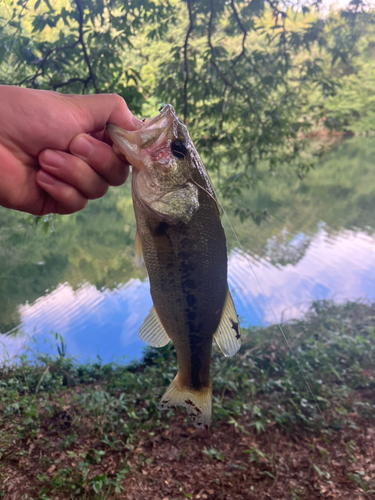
x: 152, y: 331
x: 227, y: 335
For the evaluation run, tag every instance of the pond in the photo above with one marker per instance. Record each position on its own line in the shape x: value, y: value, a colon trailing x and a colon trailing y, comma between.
x: 80, y: 281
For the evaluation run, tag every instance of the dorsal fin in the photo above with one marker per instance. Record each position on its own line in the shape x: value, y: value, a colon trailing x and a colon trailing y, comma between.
x: 152, y: 331
x: 227, y: 335
x: 138, y: 250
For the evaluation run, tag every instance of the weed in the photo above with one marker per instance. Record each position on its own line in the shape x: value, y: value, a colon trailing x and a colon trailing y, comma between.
x: 297, y: 493
x: 321, y: 473
x: 359, y: 480
x: 212, y: 453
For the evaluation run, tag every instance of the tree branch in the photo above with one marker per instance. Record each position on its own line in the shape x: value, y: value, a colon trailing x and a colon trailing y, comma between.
x: 82, y: 42
x: 188, y: 33
x: 216, y: 66
x: 209, y: 39
x: 244, y: 31
x: 71, y: 80
x: 42, y: 62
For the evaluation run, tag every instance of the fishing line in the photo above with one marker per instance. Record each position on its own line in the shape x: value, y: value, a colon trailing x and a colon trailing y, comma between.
x: 271, y: 308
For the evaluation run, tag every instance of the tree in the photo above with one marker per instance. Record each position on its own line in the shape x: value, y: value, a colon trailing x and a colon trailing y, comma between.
x: 240, y: 73
x: 74, y: 47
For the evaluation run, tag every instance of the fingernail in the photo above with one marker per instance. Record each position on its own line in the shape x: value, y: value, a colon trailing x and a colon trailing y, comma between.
x: 81, y: 147
x: 52, y: 159
x: 45, y: 178
x: 138, y: 123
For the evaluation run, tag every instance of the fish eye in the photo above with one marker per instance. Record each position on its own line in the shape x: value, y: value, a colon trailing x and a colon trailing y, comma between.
x: 178, y: 149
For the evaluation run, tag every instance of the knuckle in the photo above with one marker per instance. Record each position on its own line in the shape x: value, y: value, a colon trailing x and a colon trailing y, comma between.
x: 73, y: 201
x: 119, y: 101
x: 83, y: 203
x: 120, y: 176
x: 99, y: 191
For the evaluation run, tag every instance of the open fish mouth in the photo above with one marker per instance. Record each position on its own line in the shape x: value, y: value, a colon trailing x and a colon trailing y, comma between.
x: 129, y: 144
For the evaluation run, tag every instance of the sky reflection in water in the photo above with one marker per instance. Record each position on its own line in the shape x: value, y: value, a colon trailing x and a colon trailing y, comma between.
x: 106, y: 323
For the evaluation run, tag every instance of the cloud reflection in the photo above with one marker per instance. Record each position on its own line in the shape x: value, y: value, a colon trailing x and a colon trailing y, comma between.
x: 106, y: 323
x: 340, y: 267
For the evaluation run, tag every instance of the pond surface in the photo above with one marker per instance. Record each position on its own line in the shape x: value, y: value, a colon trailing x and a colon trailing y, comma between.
x: 80, y: 280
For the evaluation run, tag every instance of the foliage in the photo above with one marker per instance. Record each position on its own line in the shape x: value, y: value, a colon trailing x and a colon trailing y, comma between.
x: 75, y: 46
x: 351, y: 108
x: 63, y: 404
x: 240, y: 73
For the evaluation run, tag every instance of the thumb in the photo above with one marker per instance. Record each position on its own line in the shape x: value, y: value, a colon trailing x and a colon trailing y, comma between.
x: 97, y: 110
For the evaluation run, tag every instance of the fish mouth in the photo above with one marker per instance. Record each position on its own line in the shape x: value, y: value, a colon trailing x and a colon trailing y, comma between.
x: 129, y: 144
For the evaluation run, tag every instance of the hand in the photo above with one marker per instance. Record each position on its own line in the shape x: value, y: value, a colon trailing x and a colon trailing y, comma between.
x: 53, y: 157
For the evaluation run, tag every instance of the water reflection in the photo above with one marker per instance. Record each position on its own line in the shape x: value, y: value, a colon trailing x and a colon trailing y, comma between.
x: 93, y: 322
x: 337, y: 268
x: 81, y: 282
x: 105, y: 322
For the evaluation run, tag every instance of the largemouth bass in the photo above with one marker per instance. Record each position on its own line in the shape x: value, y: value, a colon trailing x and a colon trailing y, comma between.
x: 182, y: 241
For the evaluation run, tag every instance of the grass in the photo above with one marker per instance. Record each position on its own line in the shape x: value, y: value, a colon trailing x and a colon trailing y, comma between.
x: 87, y: 419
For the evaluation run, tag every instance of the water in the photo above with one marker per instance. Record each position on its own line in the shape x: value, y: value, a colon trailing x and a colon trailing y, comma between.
x: 80, y: 280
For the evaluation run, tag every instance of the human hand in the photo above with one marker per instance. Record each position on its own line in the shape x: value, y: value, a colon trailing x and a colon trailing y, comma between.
x: 49, y: 162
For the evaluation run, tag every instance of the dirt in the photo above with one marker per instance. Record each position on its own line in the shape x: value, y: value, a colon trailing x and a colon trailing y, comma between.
x: 272, y: 465
x: 222, y: 463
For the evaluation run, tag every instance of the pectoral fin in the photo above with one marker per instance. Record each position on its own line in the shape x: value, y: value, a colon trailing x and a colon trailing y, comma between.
x: 227, y: 335
x: 152, y: 331
x: 138, y: 251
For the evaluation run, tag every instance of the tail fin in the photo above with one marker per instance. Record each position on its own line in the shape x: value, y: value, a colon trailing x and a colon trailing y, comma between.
x: 197, y: 403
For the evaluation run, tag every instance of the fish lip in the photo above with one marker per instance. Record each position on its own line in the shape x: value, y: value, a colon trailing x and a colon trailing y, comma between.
x: 129, y: 144
x: 166, y: 113
x: 157, y: 125
x: 149, y: 133
x: 125, y: 142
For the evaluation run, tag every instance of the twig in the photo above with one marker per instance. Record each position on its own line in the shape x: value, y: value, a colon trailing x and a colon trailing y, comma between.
x: 29, y: 78
x: 244, y: 32
x: 40, y: 70
x: 284, y: 44
x: 71, y: 80
x: 58, y: 49
x: 274, y: 7
x: 277, y: 12
x: 188, y: 33
x: 82, y: 42
x: 222, y: 75
x: 213, y: 60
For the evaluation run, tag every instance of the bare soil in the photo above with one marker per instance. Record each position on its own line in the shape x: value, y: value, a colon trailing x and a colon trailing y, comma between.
x: 220, y: 464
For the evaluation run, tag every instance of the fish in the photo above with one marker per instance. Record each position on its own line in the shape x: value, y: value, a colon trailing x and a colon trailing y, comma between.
x: 182, y: 242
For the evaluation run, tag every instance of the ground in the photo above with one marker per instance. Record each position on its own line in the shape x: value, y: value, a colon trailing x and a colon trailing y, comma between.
x: 223, y: 463
x: 93, y: 432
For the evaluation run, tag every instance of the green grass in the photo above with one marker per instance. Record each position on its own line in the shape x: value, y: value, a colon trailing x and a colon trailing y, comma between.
x: 61, y: 403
